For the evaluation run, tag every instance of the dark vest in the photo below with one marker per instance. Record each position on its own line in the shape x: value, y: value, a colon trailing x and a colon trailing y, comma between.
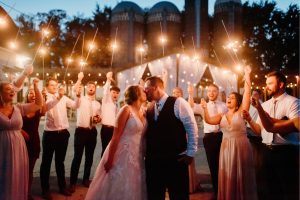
x: 165, y: 137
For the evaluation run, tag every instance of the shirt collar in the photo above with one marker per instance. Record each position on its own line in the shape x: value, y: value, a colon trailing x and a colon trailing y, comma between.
x: 162, y: 100
x: 213, y: 102
x: 91, y: 98
x: 279, y: 98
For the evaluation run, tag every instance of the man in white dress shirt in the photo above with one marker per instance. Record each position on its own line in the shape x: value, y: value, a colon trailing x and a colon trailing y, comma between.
x: 88, y: 115
x: 212, y: 134
x: 56, y: 135
x: 280, y: 155
x: 171, y: 143
x: 109, y: 110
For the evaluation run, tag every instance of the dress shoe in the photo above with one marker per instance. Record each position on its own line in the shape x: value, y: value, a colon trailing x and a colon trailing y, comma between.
x: 86, y: 183
x: 65, y: 192
x: 72, y: 188
x: 47, y: 196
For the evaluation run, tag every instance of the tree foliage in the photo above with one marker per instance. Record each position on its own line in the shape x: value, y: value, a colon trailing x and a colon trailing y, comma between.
x: 271, y: 37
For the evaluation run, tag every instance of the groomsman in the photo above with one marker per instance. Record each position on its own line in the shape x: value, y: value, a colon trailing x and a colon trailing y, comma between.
x: 88, y: 115
x: 280, y: 153
x: 212, y: 134
x: 171, y: 141
x: 56, y: 135
x: 109, y: 110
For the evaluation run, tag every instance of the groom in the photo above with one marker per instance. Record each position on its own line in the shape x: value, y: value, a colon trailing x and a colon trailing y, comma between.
x: 171, y: 140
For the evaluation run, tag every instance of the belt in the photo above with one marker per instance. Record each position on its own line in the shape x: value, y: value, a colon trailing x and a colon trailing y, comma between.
x: 86, y: 128
x: 107, y: 126
x: 57, y: 131
x: 280, y: 146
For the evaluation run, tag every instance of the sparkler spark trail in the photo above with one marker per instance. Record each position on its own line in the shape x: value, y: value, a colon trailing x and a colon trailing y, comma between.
x: 69, y: 61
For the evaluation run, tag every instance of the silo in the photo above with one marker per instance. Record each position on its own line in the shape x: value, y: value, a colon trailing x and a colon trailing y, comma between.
x: 230, y: 12
x: 196, y: 26
x: 128, y: 18
x: 163, y: 20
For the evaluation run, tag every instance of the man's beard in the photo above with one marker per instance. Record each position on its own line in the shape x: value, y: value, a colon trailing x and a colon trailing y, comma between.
x: 272, y: 93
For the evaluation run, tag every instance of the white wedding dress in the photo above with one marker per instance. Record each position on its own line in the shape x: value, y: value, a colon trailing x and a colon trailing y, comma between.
x: 126, y: 180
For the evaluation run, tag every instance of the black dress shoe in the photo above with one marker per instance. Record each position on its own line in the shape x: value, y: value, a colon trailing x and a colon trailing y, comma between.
x: 47, y: 196
x: 86, y: 183
x: 65, y: 192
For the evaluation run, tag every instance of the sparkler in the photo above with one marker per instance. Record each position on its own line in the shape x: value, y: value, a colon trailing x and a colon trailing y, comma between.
x: 41, y: 42
x: 91, y: 45
x: 141, y: 50
x: 162, y: 39
x: 232, y: 45
x: 114, y: 47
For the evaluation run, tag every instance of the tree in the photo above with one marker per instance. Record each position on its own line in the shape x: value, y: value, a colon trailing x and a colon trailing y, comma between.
x: 271, y: 37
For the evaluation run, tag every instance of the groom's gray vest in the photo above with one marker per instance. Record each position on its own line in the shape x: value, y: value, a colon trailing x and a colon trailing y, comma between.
x: 165, y: 137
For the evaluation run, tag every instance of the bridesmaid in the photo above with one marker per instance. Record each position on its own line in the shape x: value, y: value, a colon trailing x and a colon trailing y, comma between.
x: 13, y: 152
x: 236, y: 165
x: 30, y: 132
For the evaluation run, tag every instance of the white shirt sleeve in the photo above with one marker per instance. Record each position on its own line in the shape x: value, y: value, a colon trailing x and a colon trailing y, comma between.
x: 106, y: 93
x: 185, y: 114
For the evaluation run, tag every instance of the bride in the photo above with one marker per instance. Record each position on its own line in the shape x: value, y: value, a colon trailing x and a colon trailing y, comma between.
x: 120, y: 174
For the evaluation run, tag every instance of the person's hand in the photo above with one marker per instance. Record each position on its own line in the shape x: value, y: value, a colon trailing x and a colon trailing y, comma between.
x: 44, y: 93
x: 246, y: 116
x: 78, y: 91
x: 80, y: 76
x: 186, y: 159
x: 247, y: 69
x: 28, y: 69
x: 203, y: 103
x: 109, y: 76
x: 108, y: 165
x: 255, y: 102
x: 97, y: 119
x: 190, y: 89
x: 61, y: 92
x: 35, y: 81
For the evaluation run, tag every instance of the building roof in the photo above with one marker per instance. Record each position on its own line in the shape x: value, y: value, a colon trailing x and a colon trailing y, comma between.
x: 126, y: 6
x: 227, y: 1
x: 164, y: 6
